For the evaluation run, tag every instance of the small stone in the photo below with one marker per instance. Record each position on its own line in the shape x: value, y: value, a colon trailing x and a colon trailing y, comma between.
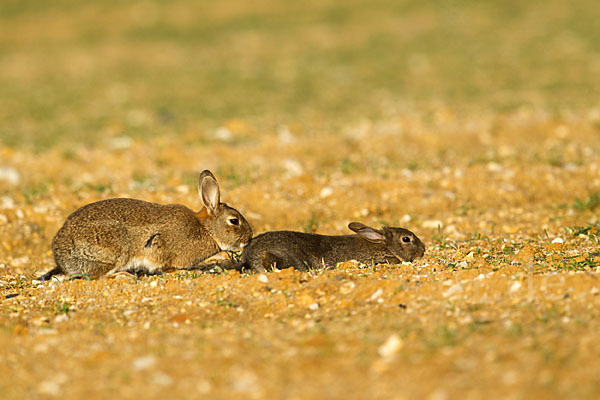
x: 594, y: 291
x: 326, y: 192
x: 558, y: 240
x: 347, y: 287
x: 49, y: 388
x: 245, y: 382
x: 376, y: 295
x: 144, y: 363
x: 120, y: 143
x: 452, y: 290
x: 292, y: 167
x: 7, y: 203
x: 263, y: 278
x: 162, y: 379
x: 390, y: 347
x: 515, y: 287
x: 494, y: 167
x: 61, y: 318
x: 223, y: 134
x: 284, y: 135
x: 183, y: 189
x: 313, y: 306
x: 10, y: 175
x: 432, y: 224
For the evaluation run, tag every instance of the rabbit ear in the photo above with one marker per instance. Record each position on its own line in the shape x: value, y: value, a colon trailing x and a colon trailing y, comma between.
x: 372, y: 236
x: 208, y: 188
x: 367, y: 232
x: 357, y: 226
x: 204, y: 174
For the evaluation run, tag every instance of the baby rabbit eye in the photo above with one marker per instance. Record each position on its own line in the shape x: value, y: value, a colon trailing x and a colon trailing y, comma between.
x: 233, y: 221
x: 406, y: 239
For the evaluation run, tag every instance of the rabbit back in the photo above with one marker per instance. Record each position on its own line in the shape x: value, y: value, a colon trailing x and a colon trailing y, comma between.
x: 128, y: 234
x: 303, y: 251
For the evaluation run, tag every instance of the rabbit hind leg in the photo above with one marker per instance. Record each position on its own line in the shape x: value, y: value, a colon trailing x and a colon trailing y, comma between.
x: 104, y: 248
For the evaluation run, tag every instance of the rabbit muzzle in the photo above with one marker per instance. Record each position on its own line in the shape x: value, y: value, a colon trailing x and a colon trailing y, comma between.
x: 236, y: 246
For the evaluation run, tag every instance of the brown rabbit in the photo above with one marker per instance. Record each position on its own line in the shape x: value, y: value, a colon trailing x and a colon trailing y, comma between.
x: 283, y: 249
x: 133, y: 235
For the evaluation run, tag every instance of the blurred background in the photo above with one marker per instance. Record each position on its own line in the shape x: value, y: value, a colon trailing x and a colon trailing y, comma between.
x: 82, y: 72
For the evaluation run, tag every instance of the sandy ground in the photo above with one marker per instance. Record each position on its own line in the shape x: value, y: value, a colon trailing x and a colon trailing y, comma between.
x: 504, y: 303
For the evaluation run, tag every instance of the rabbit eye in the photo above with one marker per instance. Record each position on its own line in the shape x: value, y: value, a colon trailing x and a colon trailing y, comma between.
x: 406, y: 239
x: 234, y: 221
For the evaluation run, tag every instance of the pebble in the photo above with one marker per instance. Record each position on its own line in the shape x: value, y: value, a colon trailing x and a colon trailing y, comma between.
x: 49, y: 388
x: 10, y: 175
x: 452, y: 290
x: 432, y: 224
x: 284, y: 135
x: 61, y: 318
x: 376, y: 295
x: 558, y: 240
x: 292, y: 167
x: 515, y: 287
x: 390, y: 347
x: 245, y: 382
x: 313, y: 306
x: 120, y: 143
x: 223, y: 134
x: 263, y: 278
x: 162, y: 379
x: 7, y: 203
x: 347, y: 287
x: 144, y: 363
x: 326, y: 192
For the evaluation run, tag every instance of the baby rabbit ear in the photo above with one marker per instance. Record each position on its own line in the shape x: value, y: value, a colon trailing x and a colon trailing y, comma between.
x: 208, y: 188
x: 367, y: 232
x: 357, y: 226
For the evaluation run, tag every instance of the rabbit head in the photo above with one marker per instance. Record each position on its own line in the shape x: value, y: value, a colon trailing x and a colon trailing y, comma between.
x: 400, y: 244
x: 228, y: 228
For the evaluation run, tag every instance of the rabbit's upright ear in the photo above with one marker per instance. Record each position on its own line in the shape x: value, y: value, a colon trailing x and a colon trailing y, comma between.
x: 206, y: 173
x: 366, y: 232
x: 208, y: 188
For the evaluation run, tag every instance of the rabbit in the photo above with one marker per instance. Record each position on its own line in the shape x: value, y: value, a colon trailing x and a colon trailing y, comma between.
x: 284, y: 249
x: 115, y: 235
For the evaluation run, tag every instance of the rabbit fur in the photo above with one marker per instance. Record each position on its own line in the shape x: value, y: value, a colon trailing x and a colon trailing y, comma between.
x: 123, y: 234
x: 284, y: 249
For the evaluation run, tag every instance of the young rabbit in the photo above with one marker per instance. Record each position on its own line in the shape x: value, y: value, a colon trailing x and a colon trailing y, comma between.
x: 133, y: 235
x: 283, y: 249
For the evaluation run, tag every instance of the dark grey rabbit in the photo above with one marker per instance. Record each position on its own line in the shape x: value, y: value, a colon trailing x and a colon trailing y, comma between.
x: 284, y: 249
